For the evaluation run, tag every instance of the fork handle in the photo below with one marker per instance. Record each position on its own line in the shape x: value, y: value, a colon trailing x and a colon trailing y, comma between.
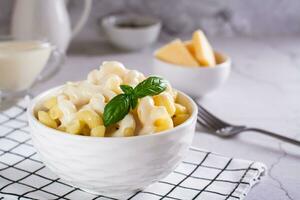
x: 269, y: 133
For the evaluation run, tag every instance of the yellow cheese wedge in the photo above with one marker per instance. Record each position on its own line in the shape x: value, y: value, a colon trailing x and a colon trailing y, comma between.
x: 190, y: 47
x: 203, y: 50
x: 176, y: 53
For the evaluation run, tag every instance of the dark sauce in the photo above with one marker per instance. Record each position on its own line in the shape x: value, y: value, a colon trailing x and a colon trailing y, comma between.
x: 132, y: 24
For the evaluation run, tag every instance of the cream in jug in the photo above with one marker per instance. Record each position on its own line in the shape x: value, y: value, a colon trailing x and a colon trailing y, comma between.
x: 21, y: 62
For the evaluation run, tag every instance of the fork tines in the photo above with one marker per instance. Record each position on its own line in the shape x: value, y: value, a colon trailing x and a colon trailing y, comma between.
x: 208, y: 120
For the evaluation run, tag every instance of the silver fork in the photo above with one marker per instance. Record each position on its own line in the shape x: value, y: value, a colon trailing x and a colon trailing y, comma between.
x: 224, y: 129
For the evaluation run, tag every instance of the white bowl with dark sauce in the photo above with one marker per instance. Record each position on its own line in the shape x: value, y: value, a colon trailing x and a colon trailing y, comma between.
x: 131, y: 32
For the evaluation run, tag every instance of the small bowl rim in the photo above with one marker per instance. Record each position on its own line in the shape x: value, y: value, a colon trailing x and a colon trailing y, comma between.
x: 105, y: 19
x: 225, y: 63
x: 30, y: 114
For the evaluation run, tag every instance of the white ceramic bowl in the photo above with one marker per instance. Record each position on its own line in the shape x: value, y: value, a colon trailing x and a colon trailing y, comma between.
x: 111, y: 166
x: 195, y: 81
x: 129, y: 38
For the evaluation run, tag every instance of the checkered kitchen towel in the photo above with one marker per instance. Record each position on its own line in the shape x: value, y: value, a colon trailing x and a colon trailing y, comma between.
x: 202, y: 175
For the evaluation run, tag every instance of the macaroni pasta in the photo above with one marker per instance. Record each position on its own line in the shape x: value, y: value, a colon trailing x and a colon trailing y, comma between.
x: 78, y: 108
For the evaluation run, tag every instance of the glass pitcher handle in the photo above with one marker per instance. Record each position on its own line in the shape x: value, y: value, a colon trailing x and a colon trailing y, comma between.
x: 55, y: 63
x: 83, y: 18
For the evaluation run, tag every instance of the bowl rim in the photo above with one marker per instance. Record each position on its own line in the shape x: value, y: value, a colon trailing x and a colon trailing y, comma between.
x: 104, y: 22
x: 32, y: 104
x: 226, y: 63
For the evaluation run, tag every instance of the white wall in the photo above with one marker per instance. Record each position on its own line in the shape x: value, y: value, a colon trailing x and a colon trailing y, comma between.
x: 216, y: 17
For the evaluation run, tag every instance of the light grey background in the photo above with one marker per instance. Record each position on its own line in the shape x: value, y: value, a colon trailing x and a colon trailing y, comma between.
x: 216, y: 17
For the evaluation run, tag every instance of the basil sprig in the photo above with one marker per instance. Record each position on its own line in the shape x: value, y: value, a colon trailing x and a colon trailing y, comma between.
x: 119, y: 106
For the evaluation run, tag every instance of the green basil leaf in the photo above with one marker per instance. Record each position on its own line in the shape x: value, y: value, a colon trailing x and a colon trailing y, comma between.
x: 133, y: 101
x: 150, y: 87
x: 116, y: 109
x: 126, y: 89
x: 120, y: 105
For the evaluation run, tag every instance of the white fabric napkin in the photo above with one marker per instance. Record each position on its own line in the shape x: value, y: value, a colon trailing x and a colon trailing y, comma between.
x: 202, y: 175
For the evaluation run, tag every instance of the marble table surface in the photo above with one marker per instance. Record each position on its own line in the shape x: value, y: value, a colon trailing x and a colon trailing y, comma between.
x: 263, y: 91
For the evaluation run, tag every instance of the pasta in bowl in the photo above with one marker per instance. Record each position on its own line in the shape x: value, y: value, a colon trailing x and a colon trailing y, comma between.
x: 79, y: 107
x: 79, y: 134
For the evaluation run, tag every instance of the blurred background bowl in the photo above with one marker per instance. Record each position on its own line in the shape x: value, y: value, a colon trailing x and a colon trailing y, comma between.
x: 131, y: 32
x: 195, y: 81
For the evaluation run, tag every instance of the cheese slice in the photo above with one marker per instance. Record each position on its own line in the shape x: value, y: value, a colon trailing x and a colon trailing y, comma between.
x: 203, y: 50
x: 176, y: 53
x: 190, y: 47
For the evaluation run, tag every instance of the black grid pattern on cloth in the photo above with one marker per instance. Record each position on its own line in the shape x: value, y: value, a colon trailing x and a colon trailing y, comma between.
x: 21, y: 168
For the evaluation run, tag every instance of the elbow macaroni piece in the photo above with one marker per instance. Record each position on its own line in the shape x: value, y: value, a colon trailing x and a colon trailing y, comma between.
x: 180, y: 109
x: 133, y: 78
x: 98, y: 131
x: 181, y: 114
x: 49, y: 103
x: 80, y: 93
x: 165, y: 99
x: 106, y: 68
x: 86, y: 122
x: 179, y: 119
x: 55, y: 112
x: 112, y: 82
x: 153, y: 118
x: 46, y: 119
x: 125, y: 127
x: 163, y: 124
x: 90, y: 118
x: 79, y: 107
x: 67, y: 108
x: 97, y: 103
x: 75, y: 127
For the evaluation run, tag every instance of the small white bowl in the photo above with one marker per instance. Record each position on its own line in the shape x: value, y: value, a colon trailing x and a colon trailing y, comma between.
x: 131, y: 38
x: 195, y: 81
x: 111, y: 166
